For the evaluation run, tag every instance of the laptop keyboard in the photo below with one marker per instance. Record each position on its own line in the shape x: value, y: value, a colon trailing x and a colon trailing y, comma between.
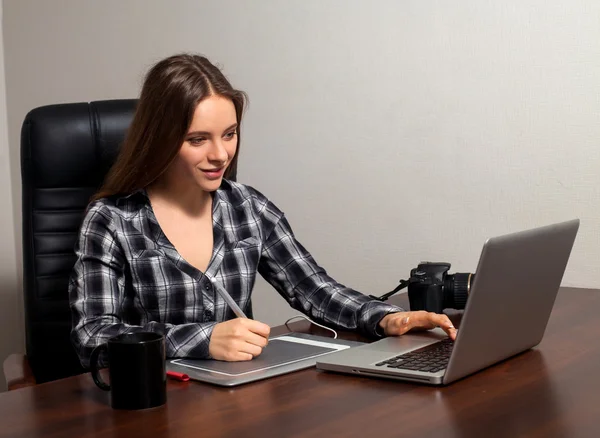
x: 430, y: 359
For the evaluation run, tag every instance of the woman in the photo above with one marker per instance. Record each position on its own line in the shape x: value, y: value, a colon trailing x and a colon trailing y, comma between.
x: 167, y: 224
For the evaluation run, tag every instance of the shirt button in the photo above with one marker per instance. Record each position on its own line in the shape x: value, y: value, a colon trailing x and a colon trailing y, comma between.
x: 207, y: 285
x: 208, y: 316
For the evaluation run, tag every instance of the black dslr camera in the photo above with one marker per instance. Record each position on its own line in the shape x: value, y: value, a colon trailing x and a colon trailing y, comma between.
x: 431, y: 288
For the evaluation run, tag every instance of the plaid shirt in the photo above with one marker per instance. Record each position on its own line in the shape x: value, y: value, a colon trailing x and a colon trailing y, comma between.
x: 128, y: 277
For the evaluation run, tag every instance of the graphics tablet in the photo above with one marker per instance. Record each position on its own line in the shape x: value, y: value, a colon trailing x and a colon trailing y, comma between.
x: 284, y: 354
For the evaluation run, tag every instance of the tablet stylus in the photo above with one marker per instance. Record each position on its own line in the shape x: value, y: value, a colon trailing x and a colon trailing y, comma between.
x: 230, y: 301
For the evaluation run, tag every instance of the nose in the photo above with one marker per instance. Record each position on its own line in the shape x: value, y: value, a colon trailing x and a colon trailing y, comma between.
x: 218, y: 153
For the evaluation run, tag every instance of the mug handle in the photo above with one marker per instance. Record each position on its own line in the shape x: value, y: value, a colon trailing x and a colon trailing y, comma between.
x: 94, y: 367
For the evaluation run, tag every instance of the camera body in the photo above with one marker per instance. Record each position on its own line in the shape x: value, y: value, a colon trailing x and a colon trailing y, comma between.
x: 431, y: 288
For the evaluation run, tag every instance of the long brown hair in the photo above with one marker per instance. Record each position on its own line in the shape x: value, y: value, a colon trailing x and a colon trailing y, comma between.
x: 172, y: 89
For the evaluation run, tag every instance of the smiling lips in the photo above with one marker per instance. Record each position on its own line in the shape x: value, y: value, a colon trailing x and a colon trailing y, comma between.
x: 213, y: 173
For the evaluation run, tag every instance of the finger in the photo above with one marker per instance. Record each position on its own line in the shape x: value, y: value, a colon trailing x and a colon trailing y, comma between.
x: 258, y: 340
x: 251, y: 349
x: 260, y: 328
x: 241, y: 357
x: 444, y: 323
x: 453, y: 333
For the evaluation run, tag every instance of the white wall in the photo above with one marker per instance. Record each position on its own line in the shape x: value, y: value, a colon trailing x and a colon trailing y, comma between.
x: 389, y: 131
x: 11, y: 331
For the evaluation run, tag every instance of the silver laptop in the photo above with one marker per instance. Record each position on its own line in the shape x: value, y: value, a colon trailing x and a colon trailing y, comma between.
x: 507, y: 311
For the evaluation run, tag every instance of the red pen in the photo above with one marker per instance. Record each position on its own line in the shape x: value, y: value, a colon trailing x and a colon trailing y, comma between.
x: 178, y: 376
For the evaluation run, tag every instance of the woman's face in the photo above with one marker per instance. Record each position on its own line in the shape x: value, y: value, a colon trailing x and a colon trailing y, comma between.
x: 209, y: 145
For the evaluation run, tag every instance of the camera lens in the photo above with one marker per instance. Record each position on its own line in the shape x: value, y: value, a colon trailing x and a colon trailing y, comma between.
x: 456, y: 289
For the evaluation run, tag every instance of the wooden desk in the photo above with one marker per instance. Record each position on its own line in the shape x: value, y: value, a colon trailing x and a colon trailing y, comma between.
x: 550, y: 391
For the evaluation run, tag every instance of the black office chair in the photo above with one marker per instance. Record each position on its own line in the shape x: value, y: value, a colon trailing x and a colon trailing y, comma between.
x: 66, y: 150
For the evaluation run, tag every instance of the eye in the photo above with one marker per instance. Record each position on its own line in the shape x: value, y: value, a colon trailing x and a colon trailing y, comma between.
x: 230, y: 135
x: 196, y: 141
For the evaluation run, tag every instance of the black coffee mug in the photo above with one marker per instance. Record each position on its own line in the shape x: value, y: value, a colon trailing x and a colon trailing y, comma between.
x: 136, y: 366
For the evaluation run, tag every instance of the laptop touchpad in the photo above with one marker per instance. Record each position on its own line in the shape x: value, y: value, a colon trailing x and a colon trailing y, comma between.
x: 401, y: 344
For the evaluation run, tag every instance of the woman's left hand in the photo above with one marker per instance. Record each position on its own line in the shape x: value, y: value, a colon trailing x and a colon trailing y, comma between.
x: 395, y: 324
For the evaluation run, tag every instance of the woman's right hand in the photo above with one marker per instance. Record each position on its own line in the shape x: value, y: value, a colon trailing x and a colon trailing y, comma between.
x: 238, y: 339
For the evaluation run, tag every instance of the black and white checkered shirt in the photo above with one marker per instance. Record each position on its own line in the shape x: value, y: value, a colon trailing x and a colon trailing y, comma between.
x: 128, y: 276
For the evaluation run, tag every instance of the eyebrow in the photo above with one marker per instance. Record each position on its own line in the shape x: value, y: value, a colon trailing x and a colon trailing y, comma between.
x: 205, y: 133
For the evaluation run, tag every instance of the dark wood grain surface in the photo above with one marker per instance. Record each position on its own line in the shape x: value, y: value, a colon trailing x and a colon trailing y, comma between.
x: 550, y: 391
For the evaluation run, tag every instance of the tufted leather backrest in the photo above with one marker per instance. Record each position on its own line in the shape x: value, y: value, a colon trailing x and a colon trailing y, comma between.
x: 66, y: 151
